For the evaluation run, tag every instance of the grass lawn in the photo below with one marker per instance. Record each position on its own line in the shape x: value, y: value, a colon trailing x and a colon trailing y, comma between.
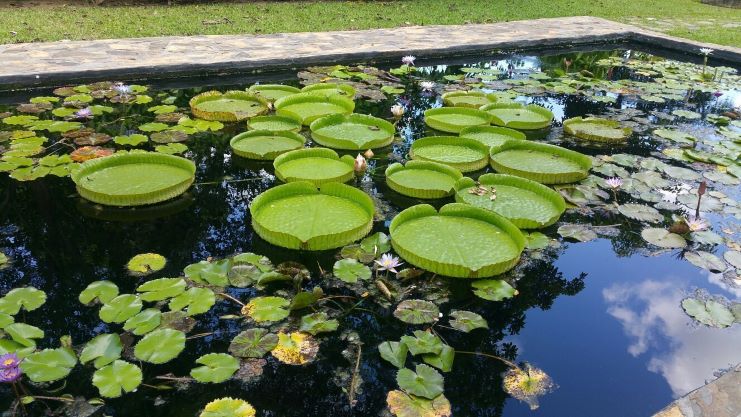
x: 685, y: 18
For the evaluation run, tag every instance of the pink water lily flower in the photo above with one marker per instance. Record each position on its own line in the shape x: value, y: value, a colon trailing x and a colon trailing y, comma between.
x: 427, y: 85
x: 360, y: 165
x: 85, y: 113
x: 122, y: 89
x: 10, y: 369
x: 408, y: 60
x: 388, y: 262
x: 697, y: 225
x: 614, y: 182
x: 397, y: 111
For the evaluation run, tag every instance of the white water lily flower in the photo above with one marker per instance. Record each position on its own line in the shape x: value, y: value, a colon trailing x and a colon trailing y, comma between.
x: 85, y: 113
x: 706, y: 51
x: 427, y: 85
x: 697, y: 225
x: 397, y: 110
x: 360, y: 165
x: 614, y: 183
x: 388, y: 262
x: 122, y: 89
x: 408, y: 60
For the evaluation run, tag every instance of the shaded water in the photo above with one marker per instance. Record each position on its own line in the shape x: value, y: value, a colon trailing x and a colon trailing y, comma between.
x: 602, y: 318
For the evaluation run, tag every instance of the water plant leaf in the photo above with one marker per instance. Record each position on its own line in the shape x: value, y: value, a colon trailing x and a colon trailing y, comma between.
x: 540, y: 162
x: 455, y: 119
x: 304, y: 299
x: 117, y: 378
x: 144, y: 322
x: 266, y: 309
x: 577, y: 232
x: 416, y: 312
x: 102, y: 349
x: 466, y: 321
x: 663, y: 238
x: 310, y: 106
x: 443, y: 360
x: 710, y: 312
x: 160, y: 346
x: 228, y: 407
x: 519, y: 116
x: 536, y: 240
x: 425, y: 382
x: 120, y: 309
x: 493, y: 289
x: 265, y: 145
x: 463, y: 154
x: 357, y: 253
x: 177, y: 320
x: 705, y: 260
x: 230, y: 106
x: 195, y: 301
x: 355, y: 132
x: 253, y: 343
x: 205, y: 272
x: 377, y: 243
x: 422, y: 179
x: 315, y: 165
x: 402, y: 404
x: 641, y: 213
x: 527, y: 384
x: 350, y: 270
x: 161, y: 289
x: 274, y: 123
x: 318, y: 323
x: 706, y: 237
x: 596, y: 129
x: 6, y: 319
x: 162, y: 109
x: 423, y: 342
x: 295, y: 348
x: 23, y: 333
x: 49, y: 364
x: 26, y: 298
x: 394, y: 352
x: 217, y: 367
x: 100, y: 291
x: 732, y: 257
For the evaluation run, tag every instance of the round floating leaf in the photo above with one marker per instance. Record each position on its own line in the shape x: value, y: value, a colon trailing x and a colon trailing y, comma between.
x: 402, y: 404
x: 471, y: 99
x: 213, y: 273
x: 153, y: 127
x: 130, y: 140
x: 315, y: 165
x: 663, y: 238
x: 160, y: 346
x: 144, y: 322
x: 734, y: 258
x: 161, y: 289
x: 518, y: 116
x: 117, y: 378
x: 132, y: 179
x: 49, y: 364
x: 318, y: 323
x: 169, y: 137
x: 641, y: 213
x: 330, y: 89
x: 394, y: 352
x: 417, y: 312
x: 350, y: 270
x: 527, y: 384
x: 527, y: 204
x: 675, y: 135
x: 443, y: 360
x: 308, y: 107
x: 272, y: 92
x: 228, y: 407
x: 177, y: 320
x: 466, y: 321
x: 262, y: 309
x: 306, y: 298
x: 253, y: 343
x: 5, y: 319
x: 355, y: 132
x: 377, y: 243
x: 577, y: 232
x: 120, y: 309
x: 102, y: 291
x: 455, y: 119
x: 171, y: 148
x: 463, y: 154
x: 491, y: 135
x: 227, y: 107
x: 195, y: 301
x: 706, y: 237
x: 264, y: 144
x: 274, y: 123
x: 687, y: 114
x: 421, y: 179
x: 706, y: 260
x: 295, y: 348
x: 711, y: 313
x: 217, y: 367
x: 459, y: 241
x: 423, y: 342
x: 540, y: 162
x: 299, y: 216
x: 27, y: 298
x: 425, y: 382
x: 493, y: 289
x: 162, y: 109
x: 103, y: 349
x: 596, y: 129
x: 23, y: 333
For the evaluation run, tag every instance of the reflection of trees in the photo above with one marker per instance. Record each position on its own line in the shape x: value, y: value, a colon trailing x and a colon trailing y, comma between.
x: 556, y: 65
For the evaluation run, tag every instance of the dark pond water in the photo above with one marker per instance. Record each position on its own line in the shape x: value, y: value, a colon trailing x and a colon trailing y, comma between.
x: 602, y: 318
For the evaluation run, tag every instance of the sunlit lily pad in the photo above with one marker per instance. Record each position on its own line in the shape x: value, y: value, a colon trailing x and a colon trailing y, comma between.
x: 227, y: 107
x: 330, y: 89
x: 423, y: 342
x: 228, y: 407
x: 705, y: 260
x: 217, y: 367
x: 493, y: 289
x: 596, y: 129
x: 160, y: 346
x: 205, y: 272
x: 425, y: 382
x: 463, y: 154
x: 195, y: 301
x: 49, y: 364
x: 466, y: 321
x: 417, y: 312
x: 26, y: 298
x: 102, y: 291
x: 352, y: 132
x: 350, y: 270
x: 318, y: 323
x: 295, y: 348
x: 518, y: 116
x: 308, y: 107
x: 253, y: 343
x: 578, y: 232
x: 146, y: 263
x: 540, y: 162
x: 266, y: 309
x: 23, y: 333
x: 472, y: 99
x: 402, y: 404
x: 491, y: 135
x: 422, y: 179
x: 663, y: 238
x: 102, y: 349
x: 264, y: 144
x: 710, y: 312
x: 117, y: 378
x: 144, y: 322
x: 455, y: 119
x: 120, y: 309
x: 161, y: 289
x: 316, y: 165
x: 274, y: 123
x: 272, y: 92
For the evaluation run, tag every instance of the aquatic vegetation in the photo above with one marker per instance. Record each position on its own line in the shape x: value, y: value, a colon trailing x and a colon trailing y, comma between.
x: 272, y: 92
x: 596, y: 129
x: 354, y: 132
x: 543, y: 163
x: 117, y: 378
x: 266, y: 144
x: 422, y: 179
x: 146, y: 263
x: 491, y: 135
x: 228, y: 407
x: 518, y: 116
x: 527, y: 384
x: 473, y: 99
x: 274, y: 123
x: 309, y: 106
x: 455, y: 119
x: 230, y: 106
x: 463, y: 154
x: 315, y: 165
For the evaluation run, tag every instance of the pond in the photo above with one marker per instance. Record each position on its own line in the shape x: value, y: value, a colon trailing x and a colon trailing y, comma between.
x: 618, y: 296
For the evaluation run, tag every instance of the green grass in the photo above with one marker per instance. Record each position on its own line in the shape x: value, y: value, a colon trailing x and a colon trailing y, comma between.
x: 685, y: 18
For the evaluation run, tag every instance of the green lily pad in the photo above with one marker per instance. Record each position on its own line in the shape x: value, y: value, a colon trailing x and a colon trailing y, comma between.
x: 416, y: 312
x: 132, y: 179
x: 663, y: 238
x: 160, y: 346
x: 675, y: 136
x: 101, y: 291
x: 350, y: 270
x: 253, y: 343
x: 455, y: 119
x: 299, y: 216
x: 422, y: 179
x: 24, y: 334
x: 318, y: 323
x: 120, y: 309
x: 274, y: 123
x: 464, y: 154
x: 272, y: 92
x: 577, y: 232
x: 423, y: 342
x: 443, y: 360
x: 733, y: 257
x: 355, y: 132
x: 231, y: 106
x: 26, y: 298
x: 131, y: 140
x: 144, y: 322
x: 687, y: 114
x: 459, y: 241
x: 518, y: 116
x: 217, y: 367
x: 711, y: 313
x: 316, y: 165
x: 493, y: 289
x: 425, y: 382
x: 641, y: 213
x: 213, y: 273
x: 402, y: 404
x: 266, y: 309
x: 195, y: 301
x: 102, y: 349
x: 394, y: 352
x: 265, y: 145
x: 596, y: 129
x: 705, y: 260
x: 466, y: 321
x: 161, y: 289
x: 330, y: 89
x: 49, y: 364
x: 117, y: 378
x: 540, y: 162
x: 163, y: 109
x: 472, y: 99
x: 308, y: 107
x: 171, y: 148
x: 228, y: 407
x: 491, y: 135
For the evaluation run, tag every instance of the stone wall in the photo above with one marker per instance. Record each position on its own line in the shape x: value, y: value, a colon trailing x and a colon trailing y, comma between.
x: 724, y: 3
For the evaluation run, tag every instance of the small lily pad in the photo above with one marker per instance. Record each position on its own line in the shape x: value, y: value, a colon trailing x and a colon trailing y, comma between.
x: 493, y: 289
x: 425, y: 382
x: 217, y: 367
x: 417, y: 312
x: 350, y: 270
x: 711, y: 313
x: 253, y: 343
x: 160, y: 346
x: 117, y: 378
x: 466, y: 321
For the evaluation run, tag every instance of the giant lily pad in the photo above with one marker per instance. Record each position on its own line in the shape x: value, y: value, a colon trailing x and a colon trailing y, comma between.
x: 274, y: 123
x: 472, y: 99
x: 352, y: 132
x: 330, y: 89
x: 266, y: 145
x: 117, y: 378
x: 272, y: 92
x: 133, y: 179
x: 464, y: 154
x: 315, y: 165
x: 160, y: 346
x: 422, y: 179
x: 540, y: 162
x: 527, y: 204
x: 459, y: 241
x: 49, y: 364
x: 455, y: 119
x: 518, y: 116
x: 300, y: 216
x: 231, y: 106
x: 491, y: 135
x: 596, y: 129
x: 308, y: 107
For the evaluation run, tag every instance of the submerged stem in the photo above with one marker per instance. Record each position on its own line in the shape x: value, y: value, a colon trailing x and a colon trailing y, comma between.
x: 488, y: 355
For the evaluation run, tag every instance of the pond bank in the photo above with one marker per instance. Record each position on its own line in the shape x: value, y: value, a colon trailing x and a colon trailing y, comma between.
x: 718, y: 398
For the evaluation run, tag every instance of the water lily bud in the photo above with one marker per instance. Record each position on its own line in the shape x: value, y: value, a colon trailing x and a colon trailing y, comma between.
x: 368, y: 154
x: 360, y: 165
x: 397, y: 111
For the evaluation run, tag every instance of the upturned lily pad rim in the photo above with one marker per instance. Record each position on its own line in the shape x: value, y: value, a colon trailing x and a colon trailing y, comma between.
x: 318, y: 88
x: 224, y: 116
x: 470, y: 93
x: 513, y: 181
x: 346, y: 104
x: 518, y: 124
x: 258, y: 88
x: 423, y: 193
x: 320, y: 242
x: 298, y: 138
x: 448, y: 127
x: 123, y: 158
x: 499, y: 130
x: 347, y: 144
x: 314, y: 153
x: 568, y: 128
x: 473, y: 144
x: 274, y: 117
x: 457, y: 210
x: 567, y: 176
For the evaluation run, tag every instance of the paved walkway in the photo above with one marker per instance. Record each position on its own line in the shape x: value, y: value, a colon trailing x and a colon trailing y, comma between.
x: 68, y: 61
x: 719, y: 398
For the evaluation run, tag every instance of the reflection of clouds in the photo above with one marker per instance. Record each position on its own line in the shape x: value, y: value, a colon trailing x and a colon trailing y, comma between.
x: 726, y: 284
x: 686, y: 355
